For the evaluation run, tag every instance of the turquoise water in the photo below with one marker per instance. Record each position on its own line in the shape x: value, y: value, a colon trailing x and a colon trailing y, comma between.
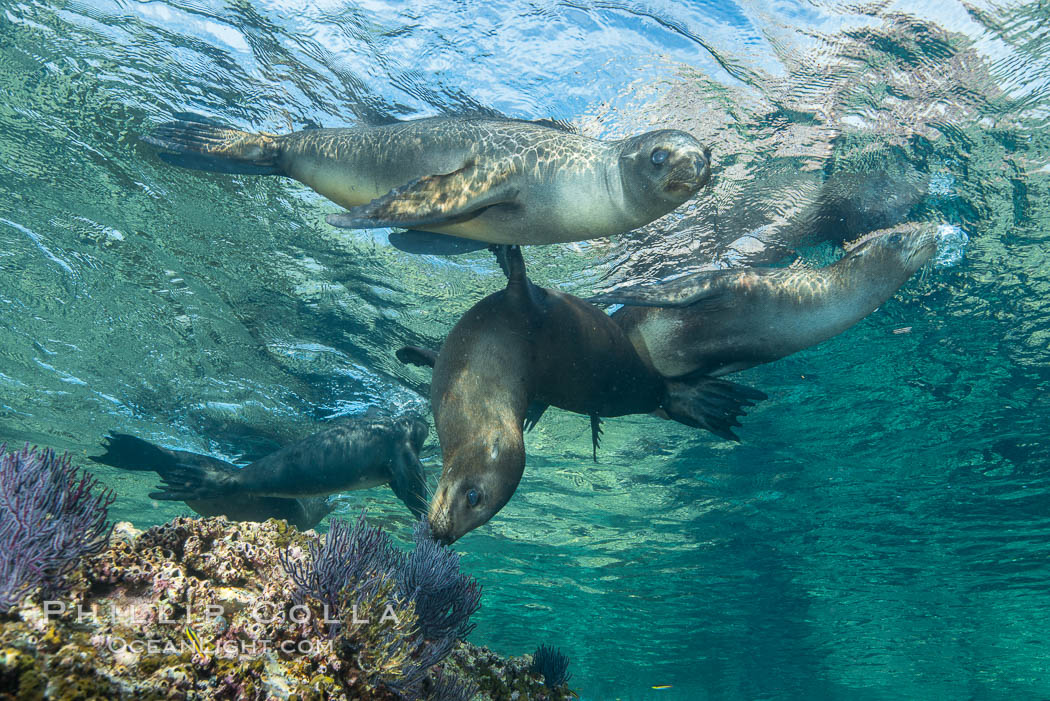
x: 881, y: 532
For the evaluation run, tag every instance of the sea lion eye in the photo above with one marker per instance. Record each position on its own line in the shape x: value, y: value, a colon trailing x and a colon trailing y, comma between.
x: 472, y: 497
x: 659, y: 156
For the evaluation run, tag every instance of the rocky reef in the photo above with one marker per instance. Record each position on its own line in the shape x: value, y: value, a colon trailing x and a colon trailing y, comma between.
x: 207, y: 609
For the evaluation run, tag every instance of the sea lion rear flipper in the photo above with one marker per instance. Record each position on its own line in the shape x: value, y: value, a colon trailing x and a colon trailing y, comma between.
x: 430, y: 244
x: 709, y: 403
x: 200, y: 143
x: 711, y: 288
x: 131, y: 453
x: 200, y: 479
x: 414, y: 355
x: 434, y: 199
x: 408, y: 480
x: 533, y: 414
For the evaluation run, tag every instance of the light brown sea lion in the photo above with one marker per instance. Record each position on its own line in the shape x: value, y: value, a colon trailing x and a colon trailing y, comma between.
x: 722, y: 321
x: 519, y: 350
x: 484, y: 179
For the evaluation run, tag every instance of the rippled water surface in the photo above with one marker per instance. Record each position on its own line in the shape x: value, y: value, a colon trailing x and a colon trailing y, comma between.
x: 882, y: 530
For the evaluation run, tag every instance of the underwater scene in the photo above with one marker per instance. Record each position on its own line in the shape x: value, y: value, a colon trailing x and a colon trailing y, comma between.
x: 548, y: 350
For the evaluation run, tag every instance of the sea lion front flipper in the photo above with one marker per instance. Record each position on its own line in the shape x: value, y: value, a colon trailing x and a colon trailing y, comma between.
x: 711, y: 288
x: 428, y: 243
x: 709, y: 403
x: 596, y: 434
x: 434, y: 199
x: 409, y: 482
x: 533, y: 414
x: 414, y: 355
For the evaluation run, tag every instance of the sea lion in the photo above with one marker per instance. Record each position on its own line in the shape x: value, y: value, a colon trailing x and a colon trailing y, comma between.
x: 477, y: 178
x: 516, y: 352
x: 131, y: 453
x: 722, y: 321
x: 354, y: 454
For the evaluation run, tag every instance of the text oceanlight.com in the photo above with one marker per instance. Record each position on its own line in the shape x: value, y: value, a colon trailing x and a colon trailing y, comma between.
x: 262, y: 613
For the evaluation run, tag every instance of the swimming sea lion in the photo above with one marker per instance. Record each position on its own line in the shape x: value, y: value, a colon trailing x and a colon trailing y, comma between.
x: 483, y: 179
x: 131, y: 453
x: 722, y: 321
x: 355, y: 454
x: 526, y: 346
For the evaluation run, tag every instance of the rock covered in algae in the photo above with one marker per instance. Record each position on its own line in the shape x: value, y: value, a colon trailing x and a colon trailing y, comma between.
x: 203, y: 609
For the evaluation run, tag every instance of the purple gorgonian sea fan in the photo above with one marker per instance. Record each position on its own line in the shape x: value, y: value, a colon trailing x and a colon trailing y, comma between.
x: 51, y: 515
x: 353, y: 559
x: 347, y: 567
x: 552, y: 664
x: 354, y: 562
x: 445, y: 598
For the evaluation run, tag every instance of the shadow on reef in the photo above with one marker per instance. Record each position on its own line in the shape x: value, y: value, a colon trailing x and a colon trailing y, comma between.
x: 211, y: 609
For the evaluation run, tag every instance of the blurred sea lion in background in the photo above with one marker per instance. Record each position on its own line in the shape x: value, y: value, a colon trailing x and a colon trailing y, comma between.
x: 354, y: 454
x: 722, y: 321
x: 131, y: 453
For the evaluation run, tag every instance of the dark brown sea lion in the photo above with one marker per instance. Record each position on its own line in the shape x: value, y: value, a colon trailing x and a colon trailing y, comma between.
x: 131, y: 453
x: 354, y: 454
x: 722, y: 321
x: 516, y: 352
x: 483, y: 179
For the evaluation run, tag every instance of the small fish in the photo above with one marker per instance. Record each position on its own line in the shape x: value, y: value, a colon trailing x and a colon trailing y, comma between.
x: 901, y: 330
x: 195, y: 640
x: 662, y: 686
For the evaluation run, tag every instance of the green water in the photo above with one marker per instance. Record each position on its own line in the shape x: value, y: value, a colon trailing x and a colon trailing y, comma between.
x: 880, y: 533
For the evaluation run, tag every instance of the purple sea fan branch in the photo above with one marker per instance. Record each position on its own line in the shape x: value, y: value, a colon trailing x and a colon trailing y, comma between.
x: 352, y: 564
x: 51, y: 515
x: 445, y: 597
x: 349, y: 566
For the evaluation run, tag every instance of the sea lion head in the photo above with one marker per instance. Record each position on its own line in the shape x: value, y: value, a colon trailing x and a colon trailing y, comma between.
x: 907, y: 247
x: 663, y: 168
x: 416, y: 429
x: 478, y: 479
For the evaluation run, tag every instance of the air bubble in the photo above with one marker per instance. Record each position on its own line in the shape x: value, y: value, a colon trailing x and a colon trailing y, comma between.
x: 951, y: 245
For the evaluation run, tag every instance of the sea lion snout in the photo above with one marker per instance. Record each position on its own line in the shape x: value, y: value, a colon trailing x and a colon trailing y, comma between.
x: 477, y: 481
x: 909, y: 246
x: 667, y: 164
x: 920, y: 245
x: 440, y: 520
x: 702, y: 167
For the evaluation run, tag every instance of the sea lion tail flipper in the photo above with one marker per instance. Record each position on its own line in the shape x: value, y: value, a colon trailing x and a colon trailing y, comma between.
x: 409, y: 482
x: 511, y: 261
x: 428, y: 243
x: 596, y: 434
x: 199, y: 143
x: 713, y: 289
x: 414, y: 355
x: 434, y: 199
x: 709, y: 403
x: 131, y: 453
x: 196, y: 480
x: 533, y: 414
